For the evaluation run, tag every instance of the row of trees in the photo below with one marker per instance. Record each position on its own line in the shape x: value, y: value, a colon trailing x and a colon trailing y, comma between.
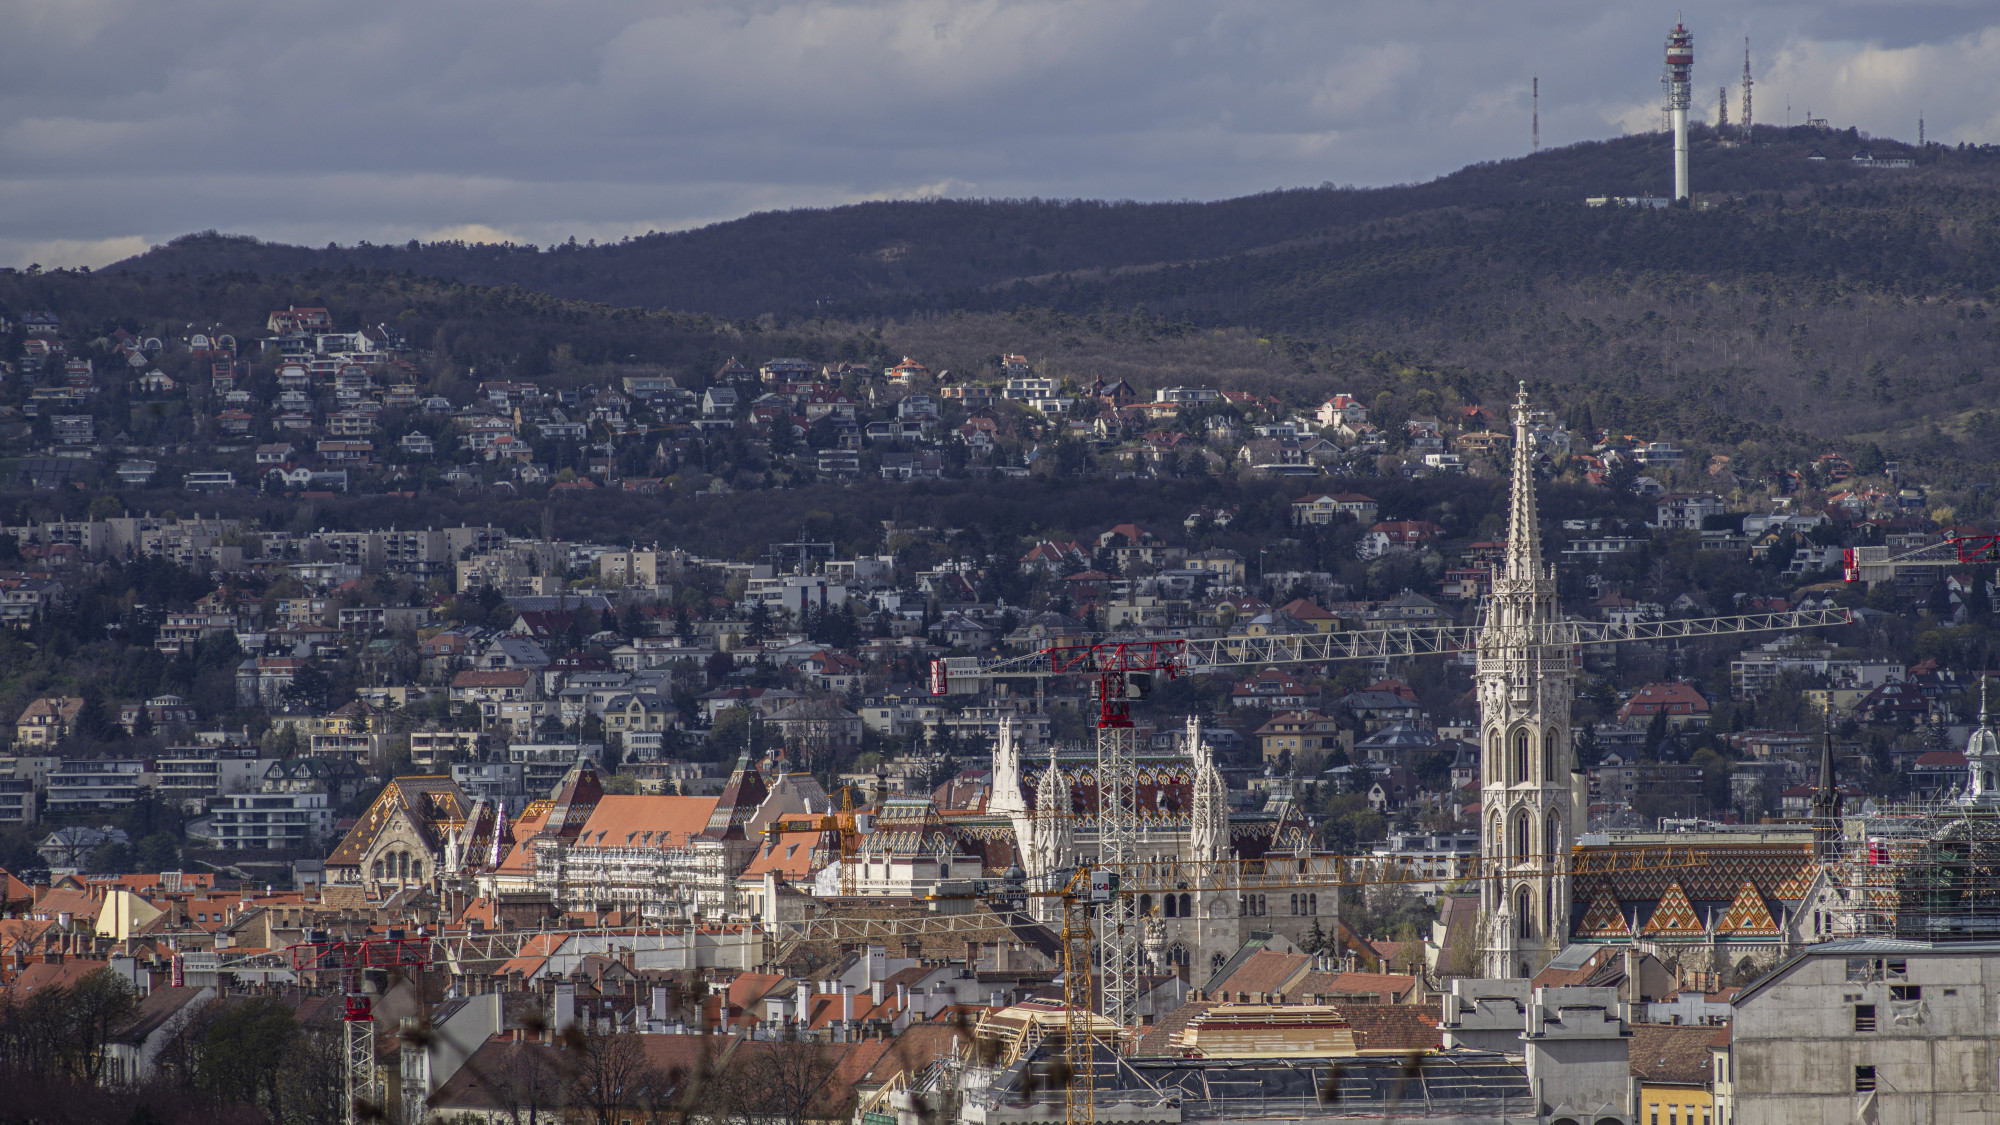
x: 237, y: 1059
x: 249, y: 1058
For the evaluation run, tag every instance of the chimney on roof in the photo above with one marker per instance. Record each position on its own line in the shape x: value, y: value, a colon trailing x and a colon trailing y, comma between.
x: 802, y: 997
x: 847, y: 1003
x: 875, y: 992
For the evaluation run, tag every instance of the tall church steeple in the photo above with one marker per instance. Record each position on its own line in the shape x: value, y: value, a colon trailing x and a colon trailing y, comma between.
x: 1525, y: 688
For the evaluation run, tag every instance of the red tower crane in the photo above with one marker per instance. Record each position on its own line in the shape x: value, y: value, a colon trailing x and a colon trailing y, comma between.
x: 323, y: 953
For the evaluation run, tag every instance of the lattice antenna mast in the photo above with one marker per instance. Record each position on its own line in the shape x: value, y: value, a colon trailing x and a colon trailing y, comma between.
x: 1535, y: 117
x: 1747, y: 83
x: 1722, y: 109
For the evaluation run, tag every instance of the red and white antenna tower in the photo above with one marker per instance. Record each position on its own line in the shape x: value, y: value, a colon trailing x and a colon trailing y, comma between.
x: 1680, y: 64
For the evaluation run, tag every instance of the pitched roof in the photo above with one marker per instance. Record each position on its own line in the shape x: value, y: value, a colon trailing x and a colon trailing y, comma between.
x: 1161, y: 1037
x: 1671, y: 1053
x: 1392, y: 1027
x: 433, y: 803
x: 621, y: 820
x: 1263, y: 971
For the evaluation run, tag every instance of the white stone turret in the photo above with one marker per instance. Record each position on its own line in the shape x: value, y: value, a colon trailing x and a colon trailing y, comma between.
x: 1208, y: 829
x: 1051, y: 838
x: 1007, y: 799
x: 1526, y: 820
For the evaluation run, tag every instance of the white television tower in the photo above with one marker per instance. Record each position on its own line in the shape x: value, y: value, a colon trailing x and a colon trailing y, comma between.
x: 1680, y: 62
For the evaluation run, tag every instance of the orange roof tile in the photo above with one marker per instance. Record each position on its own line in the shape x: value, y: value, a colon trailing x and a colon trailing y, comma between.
x: 791, y: 858
x: 645, y: 821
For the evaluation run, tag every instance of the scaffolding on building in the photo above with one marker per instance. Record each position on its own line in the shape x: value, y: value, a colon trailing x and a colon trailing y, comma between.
x: 1919, y: 871
x: 660, y: 879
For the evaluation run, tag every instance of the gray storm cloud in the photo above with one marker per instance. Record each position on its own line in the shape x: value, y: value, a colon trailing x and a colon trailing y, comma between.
x: 124, y: 123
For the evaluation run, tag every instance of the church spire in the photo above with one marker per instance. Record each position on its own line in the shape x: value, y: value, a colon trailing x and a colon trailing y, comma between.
x: 1524, y: 540
x: 1826, y: 794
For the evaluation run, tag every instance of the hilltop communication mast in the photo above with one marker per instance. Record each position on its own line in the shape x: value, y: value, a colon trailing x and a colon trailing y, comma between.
x: 1747, y: 83
x: 1722, y: 110
x: 1680, y: 63
x: 1535, y: 118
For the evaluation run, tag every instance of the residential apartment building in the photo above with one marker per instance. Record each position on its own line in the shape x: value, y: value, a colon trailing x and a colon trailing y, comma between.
x: 46, y: 722
x: 191, y: 775
x: 85, y: 785
x: 277, y: 821
x: 17, y: 801
x: 430, y: 749
x: 1301, y: 732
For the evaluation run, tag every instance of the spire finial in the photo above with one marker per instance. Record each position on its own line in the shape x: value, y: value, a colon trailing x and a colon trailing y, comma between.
x: 1982, y: 700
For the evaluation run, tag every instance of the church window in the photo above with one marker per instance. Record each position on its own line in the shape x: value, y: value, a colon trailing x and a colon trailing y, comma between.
x: 1520, y: 758
x: 1243, y: 906
x: 1549, y: 758
x: 1493, y: 759
x: 1552, y: 835
x: 1521, y: 838
x: 1524, y: 915
x: 1187, y: 906
x: 417, y: 871
x: 1145, y: 905
x: 1312, y: 904
x: 1215, y: 962
x: 378, y: 870
x: 1167, y: 905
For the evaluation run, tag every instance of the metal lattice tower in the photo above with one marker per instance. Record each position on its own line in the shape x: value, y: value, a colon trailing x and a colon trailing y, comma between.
x: 1536, y: 117
x: 1117, y: 848
x: 1747, y: 83
x: 364, y: 1094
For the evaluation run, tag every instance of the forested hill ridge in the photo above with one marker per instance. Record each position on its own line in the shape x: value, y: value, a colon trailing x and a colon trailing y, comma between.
x: 1817, y: 297
x: 888, y: 258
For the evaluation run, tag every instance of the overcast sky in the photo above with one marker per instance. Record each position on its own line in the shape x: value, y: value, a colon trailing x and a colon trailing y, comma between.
x: 126, y: 122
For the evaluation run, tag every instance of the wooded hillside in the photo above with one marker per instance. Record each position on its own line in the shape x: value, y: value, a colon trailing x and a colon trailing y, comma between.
x: 1809, y: 298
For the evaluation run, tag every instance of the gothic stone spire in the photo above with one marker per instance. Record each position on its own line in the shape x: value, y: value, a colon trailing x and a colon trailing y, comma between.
x: 1524, y: 540
x: 1525, y: 689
